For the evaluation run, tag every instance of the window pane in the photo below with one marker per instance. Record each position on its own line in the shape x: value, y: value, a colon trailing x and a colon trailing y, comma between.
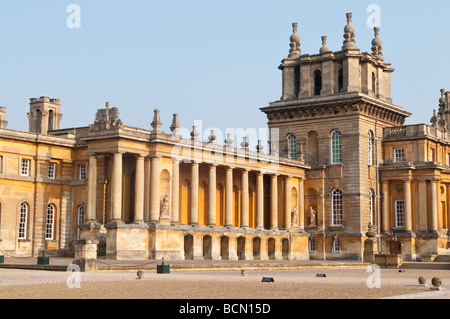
x: 292, y: 146
x: 50, y: 222
x: 336, y: 206
x: 23, y: 221
x: 336, y: 148
x: 399, y: 213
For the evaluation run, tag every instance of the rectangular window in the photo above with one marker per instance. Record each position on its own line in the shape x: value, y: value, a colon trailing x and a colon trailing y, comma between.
x: 82, y: 172
x: 399, y: 155
x: 50, y: 222
x: 433, y: 155
x: 312, y: 245
x: 25, y: 168
x: 51, y: 170
x: 1, y: 164
x: 23, y: 221
x: 399, y: 213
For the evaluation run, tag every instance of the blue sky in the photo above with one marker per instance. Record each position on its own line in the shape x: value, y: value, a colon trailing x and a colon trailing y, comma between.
x: 206, y: 60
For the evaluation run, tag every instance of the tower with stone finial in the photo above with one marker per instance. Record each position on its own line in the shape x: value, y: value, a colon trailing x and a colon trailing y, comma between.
x: 349, y: 34
x: 44, y: 115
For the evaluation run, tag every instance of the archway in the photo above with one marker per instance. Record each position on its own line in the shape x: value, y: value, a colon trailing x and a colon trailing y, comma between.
x: 271, y: 248
x: 224, y: 248
x: 256, y: 248
x: 241, y: 248
x: 207, y: 247
x: 285, y: 248
x: 188, y: 247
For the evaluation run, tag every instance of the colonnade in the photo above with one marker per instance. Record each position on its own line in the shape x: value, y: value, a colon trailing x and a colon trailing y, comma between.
x: 427, y: 202
x: 147, y: 198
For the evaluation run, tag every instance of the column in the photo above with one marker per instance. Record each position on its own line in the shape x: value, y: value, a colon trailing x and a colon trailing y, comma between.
x: 229, y: 198
x: 175, y: 192
x: 407, y: 199
x: 155, y: 205
x: 117, y: 189
x: 259, y: 201
x: 92, y: 190
x: 385, y: 206
x: 212, y: 186
x: 301, y: 205
x: 287, y: 203
x: 433, y: 207
x: 147, y: 167
x: 194, y: 193
x: 423, y: 206
x: 274, y: 203
x: 244, y: 199
x: 139, y: 191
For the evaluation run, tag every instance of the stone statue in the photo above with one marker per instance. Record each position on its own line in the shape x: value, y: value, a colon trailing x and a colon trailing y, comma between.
x: 165, y: 206
x: 107, y: 119
x: 294, y: 216
x: 312, y: 218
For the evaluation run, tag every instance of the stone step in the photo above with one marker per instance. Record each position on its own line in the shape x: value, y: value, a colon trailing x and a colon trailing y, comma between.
x: 443, y: 258
x: 426, y: 265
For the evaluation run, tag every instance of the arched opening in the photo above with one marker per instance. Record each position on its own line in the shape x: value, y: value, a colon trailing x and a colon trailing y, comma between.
x: 220, y: 205
x: 285, y: 248
x: 256, y: 248
x: 311, y: 205
x: 185, y: 202
x: 317, y: 82
x: 294, y: 206
x: 236, y: 207
x: 188, y: 247
x: 224, y: 248
x: 240, y: 248
x: 340, y: 80
x: 207, y: 247
x: 51, y: 120
x: 312, y: 153
x: 203, y: 204
x: 271, y: 248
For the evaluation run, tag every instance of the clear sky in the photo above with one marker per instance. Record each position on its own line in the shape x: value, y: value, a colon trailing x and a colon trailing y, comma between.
x: 206, y: 60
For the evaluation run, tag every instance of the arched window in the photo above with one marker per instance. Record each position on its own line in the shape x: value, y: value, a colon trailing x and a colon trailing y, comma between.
x: 374, y: 84
x: 50, y: 222
x: 292, y: 140
x: 336, y: 147
x: 371, y: 201
x: 23, y: 219
x: 80, y: 219
x: 371, y: 146
x: 340, y: 80
x: 336, y: 208
x: 317, y: 82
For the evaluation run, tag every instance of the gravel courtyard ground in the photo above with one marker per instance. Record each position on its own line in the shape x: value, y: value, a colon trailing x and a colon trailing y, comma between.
x: 223, y: 285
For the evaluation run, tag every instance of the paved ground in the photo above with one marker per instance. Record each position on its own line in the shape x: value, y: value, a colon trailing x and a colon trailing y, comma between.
x: 223, y: 285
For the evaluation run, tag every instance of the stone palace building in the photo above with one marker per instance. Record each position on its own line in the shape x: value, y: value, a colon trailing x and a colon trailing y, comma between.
x: 341, y: 162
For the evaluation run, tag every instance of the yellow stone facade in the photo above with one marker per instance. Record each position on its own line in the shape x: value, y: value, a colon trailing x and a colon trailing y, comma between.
x: 340, y: 163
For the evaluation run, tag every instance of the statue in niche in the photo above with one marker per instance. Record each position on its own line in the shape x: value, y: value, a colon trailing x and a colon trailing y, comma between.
x: 165, y: 206
x: 312, y: 217
x: 294, y: 216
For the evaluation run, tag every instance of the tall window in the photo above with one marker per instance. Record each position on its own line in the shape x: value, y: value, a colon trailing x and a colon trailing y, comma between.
x: 370, y: 146
x: 82, y: 172
x: 51, y: 170
x: 23, y: 218
x: 399, y: 213
x: 399, y: 155
x: 374, y: 84
x: 25, y: 167
x: 371, y: 201
x: 336, y: 147
x: 336, y: 245
x: 317, y: 82
x: 1, y: 164
x: 312, y: 244
x: 80, y: 220
x: 340, y: 80
x: 336, y: 208
x: 292, y: 140
x: 50, y: 222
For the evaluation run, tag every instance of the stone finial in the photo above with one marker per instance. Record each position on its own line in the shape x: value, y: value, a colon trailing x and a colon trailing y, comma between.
x: 324, y: 48
x: 244, y: 143
x: 175, y: 127
x: 194, y: 133
x: 212, y: 137
x: 3, y: 122
x: 376, y: 44
x: 295, y: 42
x: 442, y: 102
x: 259, y: 147
x: 156, y: 123
x: 229, y: 141
x: 349, y: 34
